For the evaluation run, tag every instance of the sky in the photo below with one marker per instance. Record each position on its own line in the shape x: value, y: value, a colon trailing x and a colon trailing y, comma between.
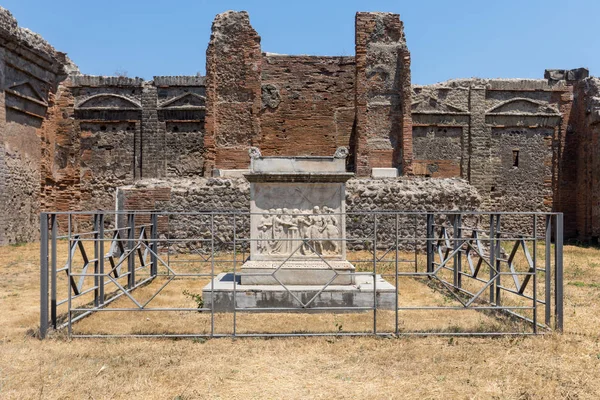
x: 447, y: 39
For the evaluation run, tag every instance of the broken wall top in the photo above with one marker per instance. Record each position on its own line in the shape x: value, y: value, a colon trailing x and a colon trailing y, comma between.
x: 15, y: 37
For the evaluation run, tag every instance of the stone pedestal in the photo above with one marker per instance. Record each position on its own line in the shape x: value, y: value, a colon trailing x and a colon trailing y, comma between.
x: 298, y: 241
x: 298, y: 225
x: 276, y: 298
x: 297, y: 273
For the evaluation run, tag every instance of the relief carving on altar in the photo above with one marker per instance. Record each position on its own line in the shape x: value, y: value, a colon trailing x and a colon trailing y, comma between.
x: 300, y: 233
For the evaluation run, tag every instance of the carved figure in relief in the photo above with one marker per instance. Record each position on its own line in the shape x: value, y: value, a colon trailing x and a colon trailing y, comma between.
x: 284, y: 232
x: 317, y: 224
x: 278, y: 233
x: 265, y: 233
x: 271, y: 232
x: 286, y: 222
x: 330, y: 231
x: 293, y: 231
x: 303, y: 222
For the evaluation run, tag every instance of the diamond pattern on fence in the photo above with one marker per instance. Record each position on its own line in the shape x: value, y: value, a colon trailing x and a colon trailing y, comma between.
x: 450, y: 248
x: 305, y: 242
x: 447, y: 247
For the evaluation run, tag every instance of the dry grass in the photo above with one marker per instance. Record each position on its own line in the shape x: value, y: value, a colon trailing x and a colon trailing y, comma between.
x: 552, y: 366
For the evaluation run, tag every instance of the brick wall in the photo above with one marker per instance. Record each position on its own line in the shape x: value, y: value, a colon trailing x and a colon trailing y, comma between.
x: 68, y: 141
x: 233, y: 91
x: 584, y: 139
x: 106, y: 132
x: 30, y: 70
x: 307, y: 104
x: 383, y: 94
x: 506, y: 136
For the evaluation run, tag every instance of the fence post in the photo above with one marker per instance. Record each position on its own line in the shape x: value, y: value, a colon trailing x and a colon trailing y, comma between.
x: 497, y: 248
x: 535, y: 300
x: 492, y: 260
x: 154, y: 244
x: 130, y: 247
x: 234, y: 275
x: 96, y: 258
x: 558, y: 272
x: 212, y: 274
x: 397, y: 330
x: 429, y: 245
x: 101, y: 259
x: 548, y: 272
x: 375, y: 274
x: 43, y: 275
x: 457, y: 255
x: 54, y: 227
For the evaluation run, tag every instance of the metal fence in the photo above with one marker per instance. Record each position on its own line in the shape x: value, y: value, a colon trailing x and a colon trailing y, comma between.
x: 140, y: 273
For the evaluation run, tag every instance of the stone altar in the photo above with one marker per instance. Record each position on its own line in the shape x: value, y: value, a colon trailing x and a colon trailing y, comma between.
x: 297, y: 223
x: 298, y: 240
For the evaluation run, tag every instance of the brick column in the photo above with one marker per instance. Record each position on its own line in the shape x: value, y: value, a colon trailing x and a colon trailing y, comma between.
x: 150, y: 161
x: 566, y: 158
x: 480, y: 136
x: 60, y: 166
x: 383, y: 94
x: 233, y: 91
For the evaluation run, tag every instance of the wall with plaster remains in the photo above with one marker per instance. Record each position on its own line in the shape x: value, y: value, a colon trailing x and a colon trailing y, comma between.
x: 30, y: 70
x: 503, y: 135
x: 113, y: 131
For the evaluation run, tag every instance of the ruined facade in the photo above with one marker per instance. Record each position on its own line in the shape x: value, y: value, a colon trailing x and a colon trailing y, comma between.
x: 68, y: 141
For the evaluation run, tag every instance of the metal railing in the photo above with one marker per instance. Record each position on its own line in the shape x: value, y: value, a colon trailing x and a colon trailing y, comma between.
x: 439, y: 262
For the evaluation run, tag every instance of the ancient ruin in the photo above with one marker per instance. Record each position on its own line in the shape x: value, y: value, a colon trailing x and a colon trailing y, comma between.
x: 70, y: 141
x: 294, y: 185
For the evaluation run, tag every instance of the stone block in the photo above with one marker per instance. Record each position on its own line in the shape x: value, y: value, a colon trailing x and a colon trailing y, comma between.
x: 307, y: 272
x: 229, y: 173
x: 379, y: 173
x: 298, y: 164
x: 293, y: 297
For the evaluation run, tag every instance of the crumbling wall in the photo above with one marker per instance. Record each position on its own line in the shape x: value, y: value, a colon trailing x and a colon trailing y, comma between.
x: 584, y: 138
x: 220, y: 196
x: 383, y: 95
x: 505, y: 136
x: 307, y: 104
x: 438, y: 151
x: 107, y: 132
x: 60, y: 152
x: 441, y: 119
x: 181, y: 115
x: 69, y: 140
x: 233, y: 91
x: 91, y: 145
x: 30, y: 70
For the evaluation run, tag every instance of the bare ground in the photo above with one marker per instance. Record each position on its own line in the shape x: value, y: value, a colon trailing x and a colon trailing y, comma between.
x: 548, y: 366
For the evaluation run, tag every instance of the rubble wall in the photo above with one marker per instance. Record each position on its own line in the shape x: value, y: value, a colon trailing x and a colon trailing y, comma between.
x: 362, y: 197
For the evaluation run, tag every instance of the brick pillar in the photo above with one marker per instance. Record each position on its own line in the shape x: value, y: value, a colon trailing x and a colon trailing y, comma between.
x: 565, y: 162
x: 60, y: 167
x: 233, y: 91
x: 480, y: 137
x: 151, y: 155
x: 383, y: 94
